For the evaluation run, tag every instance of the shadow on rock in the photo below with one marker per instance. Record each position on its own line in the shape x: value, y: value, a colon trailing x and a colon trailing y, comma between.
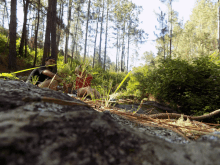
x: 40, y: 133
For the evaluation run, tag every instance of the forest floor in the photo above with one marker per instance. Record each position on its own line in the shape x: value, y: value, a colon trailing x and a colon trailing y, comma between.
x: 138, y: 113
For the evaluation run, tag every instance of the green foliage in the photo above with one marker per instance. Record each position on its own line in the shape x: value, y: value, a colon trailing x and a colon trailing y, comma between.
x: 198, y: 35
x: 215, y: 57
x: 67, y: 70
x: 29, y: 59
x: 101, y: 79
x: 31, y: 56
x: 136, y: 84
x: 194, y: 88
x: 3, y: 31
x: 3, y: 41
x: 34, y: 79
x: 17, y: 46
x: 11, y: 76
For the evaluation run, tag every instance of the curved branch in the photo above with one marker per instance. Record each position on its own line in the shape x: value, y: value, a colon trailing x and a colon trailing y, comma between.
x: 176, y: 115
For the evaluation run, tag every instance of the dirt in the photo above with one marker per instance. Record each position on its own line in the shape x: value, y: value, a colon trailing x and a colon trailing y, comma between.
x: 21, y: 65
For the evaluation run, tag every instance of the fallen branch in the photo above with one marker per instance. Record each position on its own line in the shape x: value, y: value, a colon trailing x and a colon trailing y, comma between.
x: 53, y: 100
x: 176, y: 115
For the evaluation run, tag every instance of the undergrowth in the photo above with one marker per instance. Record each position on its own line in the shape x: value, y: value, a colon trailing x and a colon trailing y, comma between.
x: 190, y: 88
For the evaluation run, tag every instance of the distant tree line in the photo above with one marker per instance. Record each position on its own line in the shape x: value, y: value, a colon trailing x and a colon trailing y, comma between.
x: 98, y: 24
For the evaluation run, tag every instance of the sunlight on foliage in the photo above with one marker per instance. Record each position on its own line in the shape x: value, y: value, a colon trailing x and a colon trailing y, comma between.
x: 3, y: 41
x: 191, y: 87
x: 11, y: 76
x: 34, y: 79
x: 136, y: 84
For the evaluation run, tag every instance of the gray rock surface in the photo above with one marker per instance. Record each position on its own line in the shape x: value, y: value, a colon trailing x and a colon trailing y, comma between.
x: 39, y: 133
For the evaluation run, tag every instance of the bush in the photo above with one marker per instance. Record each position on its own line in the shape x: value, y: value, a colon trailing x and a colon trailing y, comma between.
x: 193, y: 88
x: 67, y: 70
x: 3, y: 41
x: 105, y: 81
x: 136, y: 84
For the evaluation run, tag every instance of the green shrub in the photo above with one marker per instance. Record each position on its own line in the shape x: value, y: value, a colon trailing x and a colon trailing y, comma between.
x: 137, y: 83
x: 3, y: 41
x: 102, y: 79
x: 194, y: 88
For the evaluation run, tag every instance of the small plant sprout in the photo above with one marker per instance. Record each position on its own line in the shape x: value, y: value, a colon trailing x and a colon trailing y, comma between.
x: 34, y: 79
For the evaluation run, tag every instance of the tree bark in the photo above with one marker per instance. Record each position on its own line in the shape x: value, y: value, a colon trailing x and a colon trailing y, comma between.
x: 100, y: 42
x: 25, y: 42
x: 47, y: 35
x: 59, y: 26
x: 123, y: 49
x: 36, y: 33
x: 75, y: 33
x: 12, y: 35
x: 87, y: 23
x: 218, y: 28
x: 129, y: 28
x: 128, y: 49
x: 171, y: 29
x: 5, y: 9
x: 53, y: 31
x: 106, y: 35
x: 24, y: 32
x: 67, y: 31
x: 97, y: 25
x: 3, y: 21
x: 116, y: 68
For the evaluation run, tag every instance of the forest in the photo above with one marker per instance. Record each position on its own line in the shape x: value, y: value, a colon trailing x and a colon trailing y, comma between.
x: 185, y: 72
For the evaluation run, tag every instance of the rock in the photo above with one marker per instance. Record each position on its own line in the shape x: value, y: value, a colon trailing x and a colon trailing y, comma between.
x: 215, y: 136
x: 40, y: 133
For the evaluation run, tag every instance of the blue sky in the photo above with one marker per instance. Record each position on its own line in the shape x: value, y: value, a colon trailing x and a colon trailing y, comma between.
x: 149, y: 19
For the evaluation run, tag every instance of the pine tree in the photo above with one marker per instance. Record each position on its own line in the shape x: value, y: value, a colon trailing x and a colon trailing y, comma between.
x: 12, y: 35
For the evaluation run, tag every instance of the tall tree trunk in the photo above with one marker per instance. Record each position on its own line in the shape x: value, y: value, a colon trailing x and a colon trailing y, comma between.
x: 129, y: 27
x: 100, y: 41
x: 24, y: 32
x: 26, y: 41
x: 76, y: 51
x: 128, y: 49
x: 97, y: 25
x: 163, y: 38
x: 53, y: 31
x: 3, y: 20
x: 36, y: 33
x: 106, y: 35
x: 67, y: 31
x: 32, y: 29
x: 87, y: 23
x: 6, y: 9
x: 164, y: 49
x: 47, y: 35
x: 171, y: 30
x: 116, y: 68
x: 218, y: 28
x: 12, y: 35
x: 42, y: 36
x: 75, y: 34
x: 6, y: 44
x: 59, y: 26
x: 123, y: 50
